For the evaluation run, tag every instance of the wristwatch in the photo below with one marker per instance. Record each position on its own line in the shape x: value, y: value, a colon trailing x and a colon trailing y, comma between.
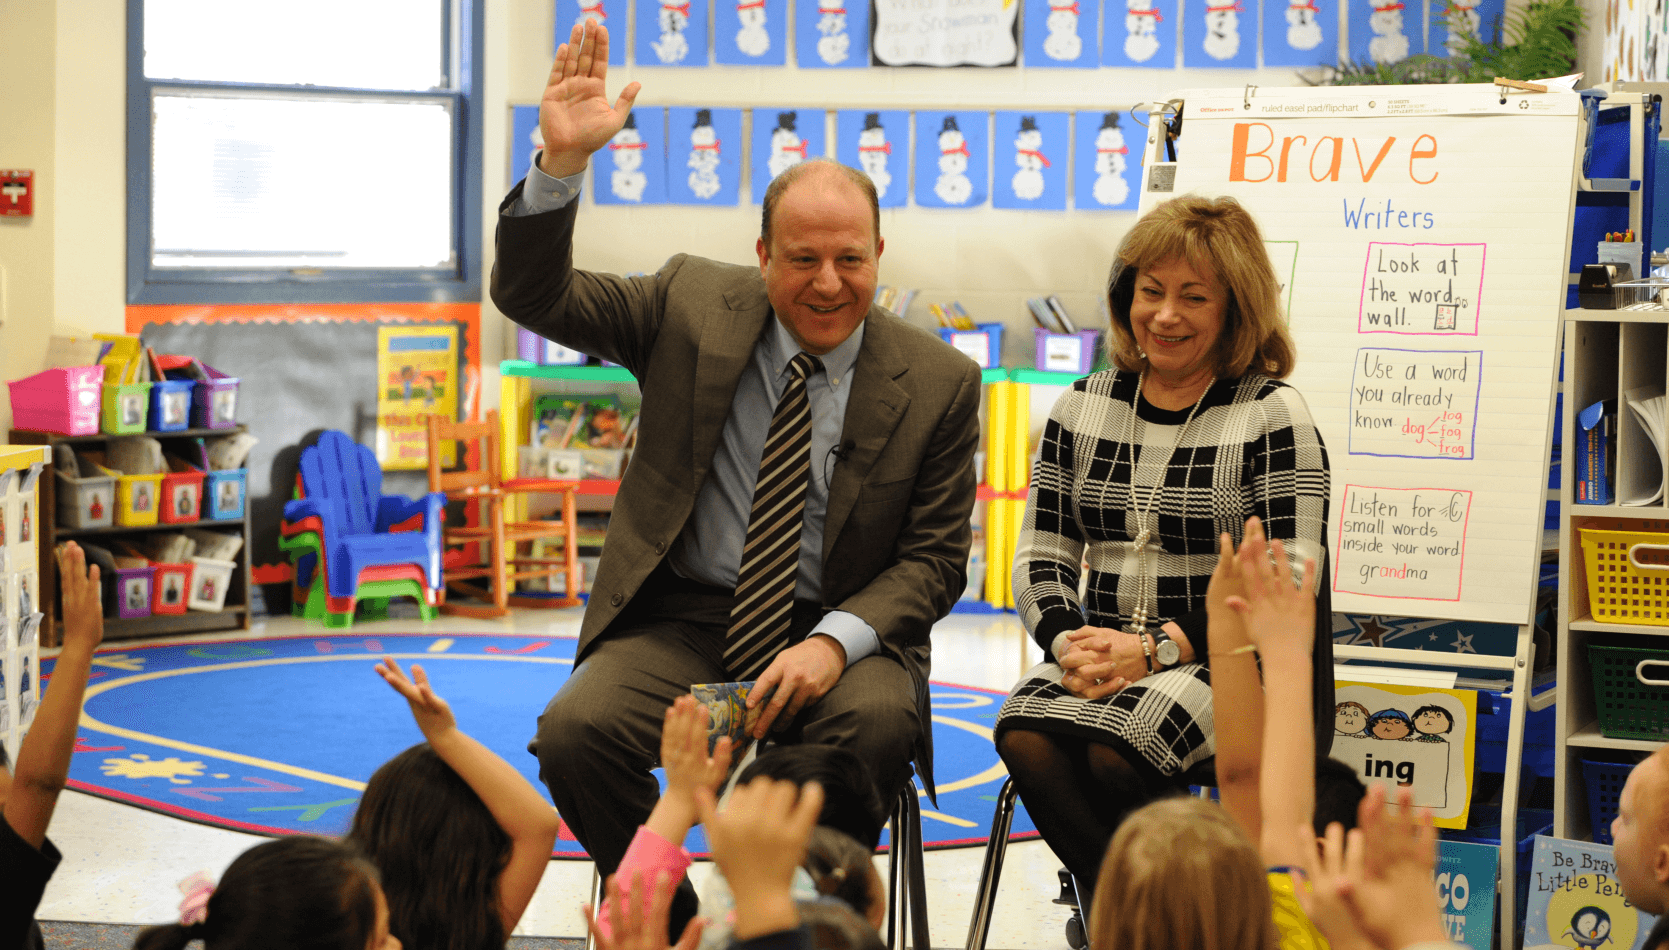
x: 1165, y: 650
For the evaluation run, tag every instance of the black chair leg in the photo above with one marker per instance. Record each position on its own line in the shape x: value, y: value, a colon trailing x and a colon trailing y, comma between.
x: 985, y: 899
x: 907, y: 876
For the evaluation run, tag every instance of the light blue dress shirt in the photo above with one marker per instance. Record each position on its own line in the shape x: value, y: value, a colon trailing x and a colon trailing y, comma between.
x: 709, y: 549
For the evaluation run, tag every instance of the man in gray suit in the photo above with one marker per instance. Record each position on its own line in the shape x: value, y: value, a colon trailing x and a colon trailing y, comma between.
x: 893, y: 427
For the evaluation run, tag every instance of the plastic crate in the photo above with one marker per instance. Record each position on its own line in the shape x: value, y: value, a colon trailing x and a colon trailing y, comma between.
x: 983, y: 345
x: 223, y: 495
x: 209, y: 580
x: 133, y: 591
x: 1628, y: 572
x: 86, y: 502
x: 214, y: 402
x: 125, y: 408
x: 171, y: 405
x: 1631, y: 691
x: 1605, y: 789
x: 137, y: 500
x: 169, y: 588
x: 65, y: 400
x: 1066, y: 352
x: 182, y: 493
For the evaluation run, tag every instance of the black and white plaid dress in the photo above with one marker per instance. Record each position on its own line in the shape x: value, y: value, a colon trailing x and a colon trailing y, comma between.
x: 1251, y: 448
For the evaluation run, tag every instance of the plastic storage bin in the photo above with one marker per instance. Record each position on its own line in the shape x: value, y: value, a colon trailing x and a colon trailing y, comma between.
x: 223, y: 495
x: 137, y: 498
x: 1066, y: 352
x: 1631, y: 691
x: 1605, y: 790
x: 171, y: 405
x: 66, y: 400
x: 214, y: 403
x: 133, y: 591
x: 209, y: 580
x: 984, y: 345
x: 88, y: 501
x: 169, y: 587
x: 125, y: 408
x: 1628, y: 572
x: 182, y: 493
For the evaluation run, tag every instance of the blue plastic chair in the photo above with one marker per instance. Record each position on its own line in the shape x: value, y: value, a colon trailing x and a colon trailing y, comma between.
x: 358, y: 525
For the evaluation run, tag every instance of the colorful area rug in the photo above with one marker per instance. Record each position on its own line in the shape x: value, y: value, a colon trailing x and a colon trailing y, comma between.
x: 279, y: 736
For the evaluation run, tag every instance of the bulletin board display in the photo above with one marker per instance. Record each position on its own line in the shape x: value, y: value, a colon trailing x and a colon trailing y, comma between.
x: 1423, y: 236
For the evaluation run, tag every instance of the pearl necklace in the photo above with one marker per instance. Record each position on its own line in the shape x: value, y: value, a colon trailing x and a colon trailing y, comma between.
x: 1148, y: 584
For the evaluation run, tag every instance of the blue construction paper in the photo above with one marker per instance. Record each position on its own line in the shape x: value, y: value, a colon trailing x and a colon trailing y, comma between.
x: 610, y: 13
x: 799, y: 133
x: 750, y: 32
x: 671, y: 33
x: 1062, y: 33
x: 703, y: 156
x: 945, y: 177
x: 1300, y: 32
x: 1029, y: 152
x: 1383, y: 31
x: 1139, y: 33
x: 1478, y: 17
x: 831, y: 34
x: 1221, y: 34
x: 882, y: 151
x: 631, y: 169
x: 1104, y: 178
x: 525, y: 140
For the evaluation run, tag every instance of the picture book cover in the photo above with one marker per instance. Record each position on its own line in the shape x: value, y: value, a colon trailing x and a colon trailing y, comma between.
x: 727, y: 713
x: 562, y: 422
x: 1576, y: 900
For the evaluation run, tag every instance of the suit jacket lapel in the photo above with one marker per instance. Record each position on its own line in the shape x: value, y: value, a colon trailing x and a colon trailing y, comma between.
x: 727, y: 342
x: 872, y: 413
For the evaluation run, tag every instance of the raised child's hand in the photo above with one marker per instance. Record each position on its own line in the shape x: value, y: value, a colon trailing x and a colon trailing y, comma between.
x: 432, y: 713
x: 1326, y: 901
x: 1275, y: 612
x: 641, y: 925
x: 1390, y: 859
x: 83, y: 599
x: 758, y: 841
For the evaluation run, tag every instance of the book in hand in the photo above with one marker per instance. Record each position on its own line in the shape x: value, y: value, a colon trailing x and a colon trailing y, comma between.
x: 1576, y: 900
x: 728, y: 713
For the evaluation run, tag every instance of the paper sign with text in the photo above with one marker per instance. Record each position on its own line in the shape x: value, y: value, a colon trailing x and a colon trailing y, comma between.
x: 1402, y: 542
x: 1410, y: 737
x: 1420, y: 404
x: 946, y: 32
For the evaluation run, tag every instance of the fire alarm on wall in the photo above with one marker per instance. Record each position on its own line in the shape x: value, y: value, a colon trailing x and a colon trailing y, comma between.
x: 17, y: 192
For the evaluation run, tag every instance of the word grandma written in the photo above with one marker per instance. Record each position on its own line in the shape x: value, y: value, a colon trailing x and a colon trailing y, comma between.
x: 1257, y: 154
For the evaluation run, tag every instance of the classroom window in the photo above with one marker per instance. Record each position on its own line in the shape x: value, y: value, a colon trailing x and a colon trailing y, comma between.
x: 309, y: 151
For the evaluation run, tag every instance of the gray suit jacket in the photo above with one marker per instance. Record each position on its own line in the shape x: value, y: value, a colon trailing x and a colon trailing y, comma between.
x: 896, y: 537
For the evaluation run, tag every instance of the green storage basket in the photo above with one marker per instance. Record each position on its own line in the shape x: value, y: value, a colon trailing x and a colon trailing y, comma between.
x: 1631, y: 691
x: 126, y: 407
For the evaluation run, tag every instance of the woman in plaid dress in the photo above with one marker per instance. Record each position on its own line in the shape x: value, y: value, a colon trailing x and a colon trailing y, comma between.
x: 1141, y: 467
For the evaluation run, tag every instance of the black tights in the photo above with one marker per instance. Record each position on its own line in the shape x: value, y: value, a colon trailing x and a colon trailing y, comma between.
x: 1076, y: 792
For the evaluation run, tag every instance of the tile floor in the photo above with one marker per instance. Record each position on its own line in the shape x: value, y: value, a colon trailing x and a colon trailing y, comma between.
x: 120, y: 863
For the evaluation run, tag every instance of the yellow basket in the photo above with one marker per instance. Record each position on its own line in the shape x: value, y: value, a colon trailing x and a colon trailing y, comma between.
x: 1628, y: 572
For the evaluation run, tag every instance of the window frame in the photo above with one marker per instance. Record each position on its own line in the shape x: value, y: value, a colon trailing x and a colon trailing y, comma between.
x: 458, y: 283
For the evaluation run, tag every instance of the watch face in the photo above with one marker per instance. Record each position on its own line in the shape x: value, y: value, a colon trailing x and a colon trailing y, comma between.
x: 1168, y: 652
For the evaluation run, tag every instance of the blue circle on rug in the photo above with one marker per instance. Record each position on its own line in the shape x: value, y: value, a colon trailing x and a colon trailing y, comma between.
x: 278, y: 736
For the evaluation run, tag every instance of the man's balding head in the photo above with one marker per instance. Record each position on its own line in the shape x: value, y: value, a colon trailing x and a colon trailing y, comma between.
x: 818, y: 173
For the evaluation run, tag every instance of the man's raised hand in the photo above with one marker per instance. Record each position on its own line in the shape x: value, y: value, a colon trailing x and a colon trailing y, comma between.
x: 575, y: 116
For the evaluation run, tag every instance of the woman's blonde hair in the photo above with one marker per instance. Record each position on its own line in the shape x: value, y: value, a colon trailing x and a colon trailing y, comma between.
x: 1217, y: 236
x: 1179, y: 875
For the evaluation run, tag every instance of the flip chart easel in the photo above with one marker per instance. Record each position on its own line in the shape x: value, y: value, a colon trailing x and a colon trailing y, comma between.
x: 1427, y: 229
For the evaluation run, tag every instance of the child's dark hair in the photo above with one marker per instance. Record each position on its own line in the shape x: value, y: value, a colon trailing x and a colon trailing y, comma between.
x: 1390, y: 715
x: 840, y: 867
x: 834, y: 926
x: 439, y: 850
x: 1338, y: 792
x: 1434, y: 708
x: 850, y: 803
x: 299, y: 893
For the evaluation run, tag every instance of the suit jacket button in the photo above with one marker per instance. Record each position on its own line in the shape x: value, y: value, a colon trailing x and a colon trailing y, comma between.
x: 660, y: 547
x: 616, y: 599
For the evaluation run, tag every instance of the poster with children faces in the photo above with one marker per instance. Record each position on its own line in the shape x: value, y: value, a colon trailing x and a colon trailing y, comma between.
x: 1385, y: 31
x: 1029, y: 157
x: 631, y: 169
x: 671, y: 33
x: 831, y: 34
x: 1220, y: 34
x: 1410, y: 737
x: 1107, y: 159
x: 1300, y: 32
x: 703, y: 156
x: 1062, y: 34
x: 525, y: 140
x: 1453, y: 21
x: 609, y: 13
x: 877, y: 142
x: 952, y: 159
x: 750, y: 32
x: 1139, y: 33
x: 783, y: 138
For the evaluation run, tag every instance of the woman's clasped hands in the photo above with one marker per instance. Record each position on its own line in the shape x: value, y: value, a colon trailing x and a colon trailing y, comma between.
x: 1099, y: 661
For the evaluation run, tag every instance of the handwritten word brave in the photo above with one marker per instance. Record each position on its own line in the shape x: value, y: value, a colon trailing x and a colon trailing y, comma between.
x: 1250, y: 159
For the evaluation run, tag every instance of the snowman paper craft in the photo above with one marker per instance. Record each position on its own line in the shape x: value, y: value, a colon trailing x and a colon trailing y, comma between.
x: 627, y: 181
x: 704, y: 156
x: 1141, y: 23
x: 1029, y: 161
x: 591, y: 10
x: 787, y: 148
x: 953, y: 186
x: 1222, y: 29
x: 751, y: 37
x: 1053, y: 37
x: 673, y: 46
x: 1389, y: 43
x: 1111, y: 162
x: 1463, y: 21
x: 833, y: 42
x: 873, y: 151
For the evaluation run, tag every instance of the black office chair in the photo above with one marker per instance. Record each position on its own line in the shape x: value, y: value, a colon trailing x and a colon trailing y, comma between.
x: 1202, y: 774
x: 906, y: 875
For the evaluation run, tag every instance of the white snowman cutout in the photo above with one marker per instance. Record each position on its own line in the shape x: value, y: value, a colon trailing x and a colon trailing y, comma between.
x: 751, y: 38
x: 1389, y: 43
x: 627, y: 147
x: 953, y: 186
x: 873, y: 152
x: 1303, y: 29
x: 1142, y: 21
x: 1463, y: 20
x: 591, y: 10
x: 1222, y: 29
x: 787, y: 148
x: 704, y: 156
x: 1063, y: 43
x: 673, y: 46
x: 1029, y: 161
x: 1110, y: 162
x: 833, y: 43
